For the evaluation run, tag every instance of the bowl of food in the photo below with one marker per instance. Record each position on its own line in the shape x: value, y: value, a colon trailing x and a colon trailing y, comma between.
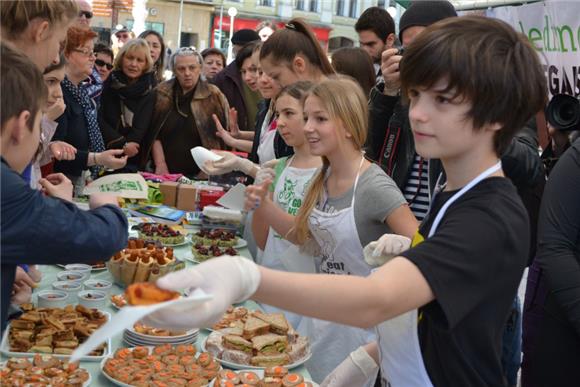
x: 75, y: 276
x: 52, y: 299
x: 102, y: 285
x: 92, y: 298
x: 70, y: 287
x: 81, y: 267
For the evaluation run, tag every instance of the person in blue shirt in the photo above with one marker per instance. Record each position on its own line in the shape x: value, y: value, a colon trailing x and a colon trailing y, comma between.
x: 42, y: 227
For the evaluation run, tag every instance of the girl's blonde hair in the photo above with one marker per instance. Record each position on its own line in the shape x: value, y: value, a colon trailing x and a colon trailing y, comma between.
x: 134, y: 45
x: 345, y: 103
x: 16, y: 15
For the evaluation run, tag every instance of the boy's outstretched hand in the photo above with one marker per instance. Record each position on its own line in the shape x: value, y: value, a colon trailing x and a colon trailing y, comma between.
x: 227, y: 279
x: 57, y: 185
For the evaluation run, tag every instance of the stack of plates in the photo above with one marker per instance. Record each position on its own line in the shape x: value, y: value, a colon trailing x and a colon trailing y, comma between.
x: 134, y: 338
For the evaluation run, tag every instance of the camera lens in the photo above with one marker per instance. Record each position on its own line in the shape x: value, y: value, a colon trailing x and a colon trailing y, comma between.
x: 563, y: 112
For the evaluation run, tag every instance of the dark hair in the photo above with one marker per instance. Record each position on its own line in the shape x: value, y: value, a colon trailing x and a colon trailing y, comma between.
x: 214, y: 51
x: 297, y: 90
x: 19, y: 75
x: 55, y: 66
x: 16, y: 15
x: 486, y: 62
x: 76, y: 37
x: 245, y: 52
x: 159, y: 65
x: 296, y: 38
x: 103, y: 48
x: 356, y: 63
x: 377, y: 20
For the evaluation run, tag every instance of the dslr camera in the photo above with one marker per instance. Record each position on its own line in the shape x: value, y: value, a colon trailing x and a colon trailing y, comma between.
x: 563, y: 112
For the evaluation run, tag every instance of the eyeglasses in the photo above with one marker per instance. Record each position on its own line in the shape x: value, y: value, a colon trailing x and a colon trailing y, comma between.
x: 101, y: 63
x: 85, y: 51
x: 87, y: 14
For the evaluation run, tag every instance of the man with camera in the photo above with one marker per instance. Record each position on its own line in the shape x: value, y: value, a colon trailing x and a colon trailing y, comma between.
x: 391, y: 145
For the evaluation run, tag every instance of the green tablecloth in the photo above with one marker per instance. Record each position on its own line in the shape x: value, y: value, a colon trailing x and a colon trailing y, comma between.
x: 183, y: 253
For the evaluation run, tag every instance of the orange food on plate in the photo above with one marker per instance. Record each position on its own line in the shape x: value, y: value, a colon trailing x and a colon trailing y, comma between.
x: 144, y: 293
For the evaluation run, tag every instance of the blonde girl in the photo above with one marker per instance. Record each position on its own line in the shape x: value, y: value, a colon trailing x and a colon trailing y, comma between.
x: 350, y: 203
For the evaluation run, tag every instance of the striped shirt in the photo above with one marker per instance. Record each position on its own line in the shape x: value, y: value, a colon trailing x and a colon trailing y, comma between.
x: 417, y: 189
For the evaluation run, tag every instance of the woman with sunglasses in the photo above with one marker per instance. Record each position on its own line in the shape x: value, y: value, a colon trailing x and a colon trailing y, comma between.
x: 78, y: 125
x: 103, y: 60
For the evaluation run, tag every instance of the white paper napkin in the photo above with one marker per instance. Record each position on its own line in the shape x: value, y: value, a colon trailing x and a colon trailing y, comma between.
x: 129, y: 315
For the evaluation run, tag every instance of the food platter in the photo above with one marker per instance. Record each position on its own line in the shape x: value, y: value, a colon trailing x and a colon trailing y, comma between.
x: 260, y: 373
x: 85, y: 384
x: 6, y: 350
x: 237, y: 366
x: 150, y: 349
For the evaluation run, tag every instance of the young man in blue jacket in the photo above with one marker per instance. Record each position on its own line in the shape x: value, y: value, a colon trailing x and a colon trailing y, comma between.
x: 42, y: 227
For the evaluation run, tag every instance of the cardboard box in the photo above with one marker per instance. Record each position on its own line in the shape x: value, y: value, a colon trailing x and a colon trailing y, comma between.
x: 169, y: 191
x: 186, y: 197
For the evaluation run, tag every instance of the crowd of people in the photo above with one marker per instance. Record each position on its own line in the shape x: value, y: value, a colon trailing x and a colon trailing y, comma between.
x: 398, y: 191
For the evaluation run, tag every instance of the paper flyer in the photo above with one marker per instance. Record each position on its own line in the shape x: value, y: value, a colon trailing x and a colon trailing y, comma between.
x: 125, y: 185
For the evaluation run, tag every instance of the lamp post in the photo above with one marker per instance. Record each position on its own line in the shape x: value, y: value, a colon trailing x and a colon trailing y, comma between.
x: 232, y: 11
x: 180, y: 22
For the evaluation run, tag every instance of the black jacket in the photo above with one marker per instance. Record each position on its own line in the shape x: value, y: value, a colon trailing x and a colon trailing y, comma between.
x: 229, y: 81
x: 72, y: 129
x: 36, y: 229
x: 281, y: 149
x: 390, y: 143
x: 114, y: 134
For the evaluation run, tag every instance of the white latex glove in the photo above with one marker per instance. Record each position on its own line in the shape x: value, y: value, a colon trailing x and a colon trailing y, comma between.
x: 263, y: 175
x: 228, y: 279
x: 228, y: 163
x: 384, y: 249
x: 355, y: 370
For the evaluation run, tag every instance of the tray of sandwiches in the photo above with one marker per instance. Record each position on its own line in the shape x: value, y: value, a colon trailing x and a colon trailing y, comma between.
x: 276, y: 376
x: 165, y: 234
x: 56, y: 331
x: 142, y: 261
x: 257, y: 340
x: 162, y: 365
x: 43, y: 370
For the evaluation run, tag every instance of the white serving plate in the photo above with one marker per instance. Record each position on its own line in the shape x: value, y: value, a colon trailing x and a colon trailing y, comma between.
x: 137, y: 343
x: 162, y: 339
x: 260, y: 373
x: 118, y: 383
x: 93, y: 268
x: 85, y: 384
x: 237, y: 366
x: 201, y: 155
x: 5, y: 348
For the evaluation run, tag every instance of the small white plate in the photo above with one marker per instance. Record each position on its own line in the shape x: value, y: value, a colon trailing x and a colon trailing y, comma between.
x: 93, y: 267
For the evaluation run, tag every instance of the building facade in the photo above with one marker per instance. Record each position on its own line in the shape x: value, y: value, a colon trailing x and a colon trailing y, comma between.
x: 207, y: 23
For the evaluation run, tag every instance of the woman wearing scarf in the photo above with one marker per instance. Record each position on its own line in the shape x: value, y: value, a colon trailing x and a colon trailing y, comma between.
x: 78, y: 125
x: 127, y: 102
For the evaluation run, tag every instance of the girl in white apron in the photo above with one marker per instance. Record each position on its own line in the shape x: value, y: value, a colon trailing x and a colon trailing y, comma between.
x: 292, y: 176
x: 334, y: 236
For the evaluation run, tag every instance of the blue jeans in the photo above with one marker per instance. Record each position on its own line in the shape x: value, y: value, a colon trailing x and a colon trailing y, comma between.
x: 511, y: 354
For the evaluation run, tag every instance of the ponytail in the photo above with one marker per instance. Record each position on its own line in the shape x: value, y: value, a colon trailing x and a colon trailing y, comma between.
x: 296, y: 38
x: 314, y: 194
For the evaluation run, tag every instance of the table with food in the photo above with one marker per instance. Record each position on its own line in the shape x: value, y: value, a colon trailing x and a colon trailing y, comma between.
x: 246, y: 347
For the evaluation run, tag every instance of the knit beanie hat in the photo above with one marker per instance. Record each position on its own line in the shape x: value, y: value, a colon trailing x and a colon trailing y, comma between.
x: 424, y: 13
x: 244, y: 36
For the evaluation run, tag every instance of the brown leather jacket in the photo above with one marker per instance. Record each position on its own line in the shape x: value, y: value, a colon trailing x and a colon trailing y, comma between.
x: 207, y: 100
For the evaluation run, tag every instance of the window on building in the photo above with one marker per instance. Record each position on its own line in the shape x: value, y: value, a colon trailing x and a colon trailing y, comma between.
x: 381, y: 3
x: 300, y: 5
x: 159, y: 27
x: 352, y: 9
x: 313, y: 6
x: 265, y: 3
x: 340, y: 8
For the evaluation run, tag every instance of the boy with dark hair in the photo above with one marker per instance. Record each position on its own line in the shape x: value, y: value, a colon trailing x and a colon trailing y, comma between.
x: 37, y: 229
x: 441, y: 306
x: 376, y: 33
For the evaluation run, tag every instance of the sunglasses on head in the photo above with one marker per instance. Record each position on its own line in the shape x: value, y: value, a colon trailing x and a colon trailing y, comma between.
x: 101, y: 63
x: 87, y: 14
